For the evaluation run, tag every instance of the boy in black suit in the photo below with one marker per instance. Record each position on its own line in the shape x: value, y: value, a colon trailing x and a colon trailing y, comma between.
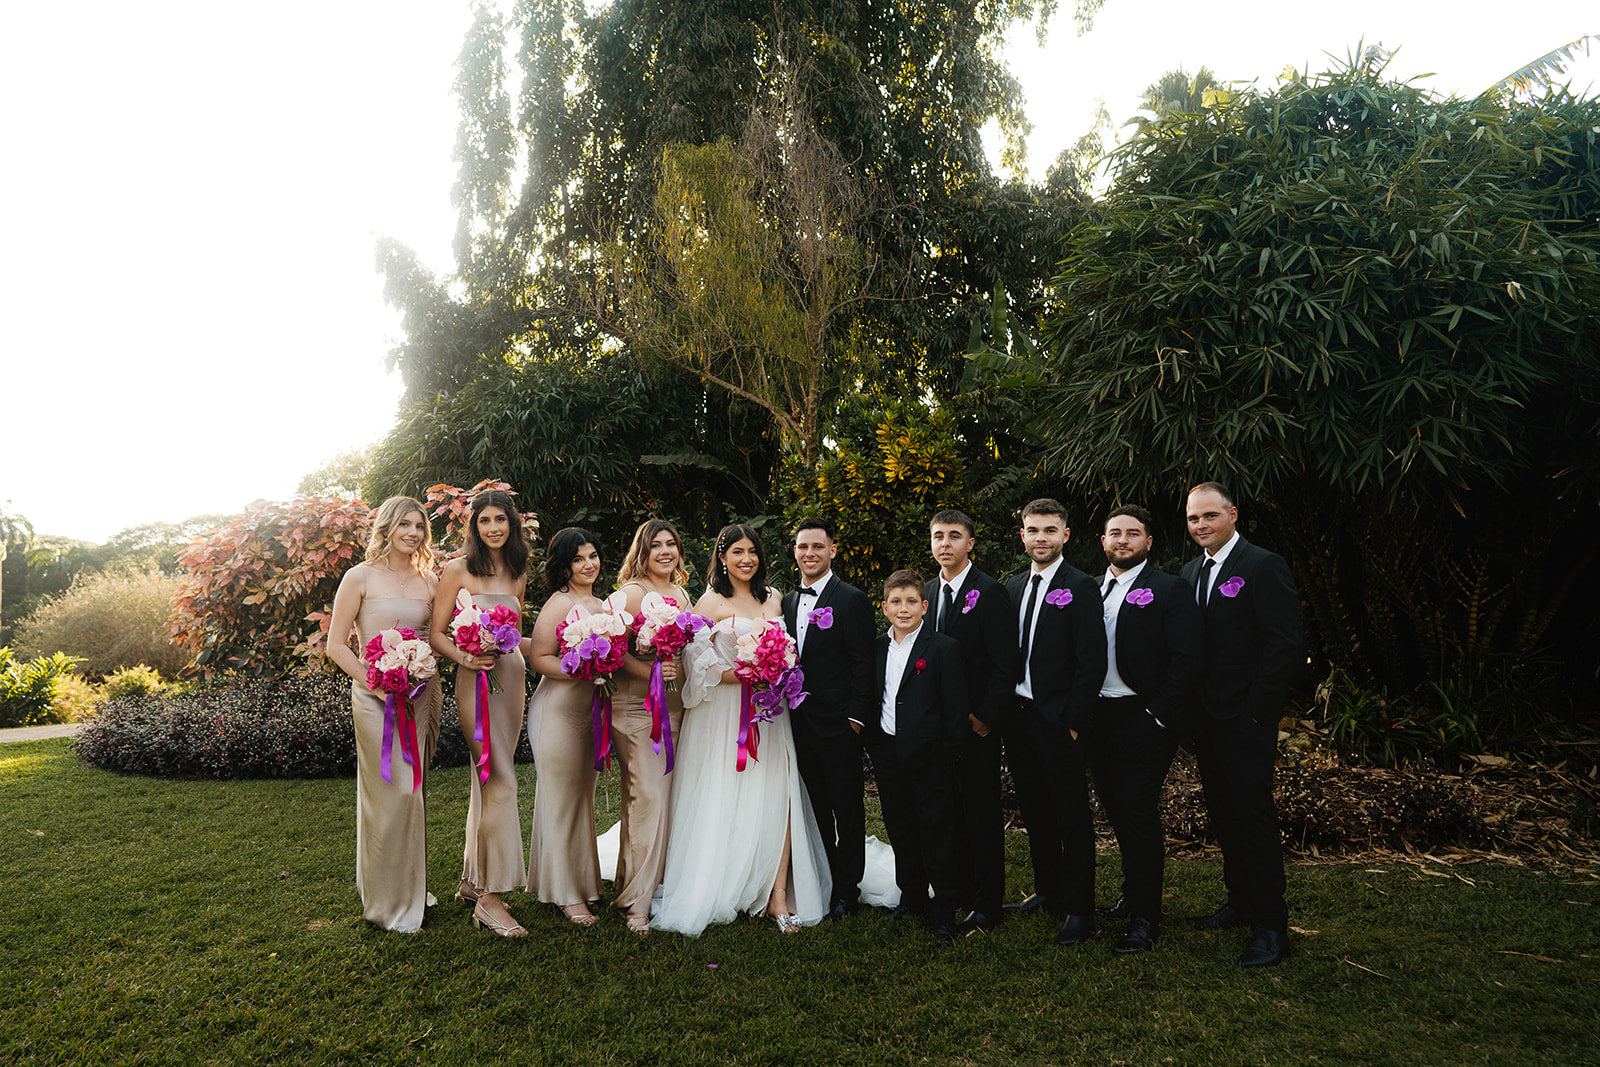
x: 914, y: 740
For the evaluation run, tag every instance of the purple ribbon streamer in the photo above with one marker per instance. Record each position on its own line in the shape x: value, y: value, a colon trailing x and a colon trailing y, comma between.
x: 655, y: 702
x: 600, y: 714
x: 480, y: 728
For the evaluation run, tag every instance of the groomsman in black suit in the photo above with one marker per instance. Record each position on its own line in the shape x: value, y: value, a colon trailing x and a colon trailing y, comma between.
x: 832, y: 623
x: 915, y: 741
x: 977, y: 612
x: 1062, y: 642
x: 1152, y: 661
x: 1251, y: 650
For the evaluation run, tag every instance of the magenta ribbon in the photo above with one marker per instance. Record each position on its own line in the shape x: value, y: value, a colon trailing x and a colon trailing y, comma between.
x: 655, y: 702
x: 749, y: 731
x: 600, y: 713
x: 480, y: 728
x: 408, y: 738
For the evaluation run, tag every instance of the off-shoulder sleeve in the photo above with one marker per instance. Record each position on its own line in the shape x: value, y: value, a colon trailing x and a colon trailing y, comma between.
x: 703, y: 663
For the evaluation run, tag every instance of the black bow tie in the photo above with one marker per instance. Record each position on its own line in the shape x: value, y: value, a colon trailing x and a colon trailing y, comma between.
x: 806, y: 590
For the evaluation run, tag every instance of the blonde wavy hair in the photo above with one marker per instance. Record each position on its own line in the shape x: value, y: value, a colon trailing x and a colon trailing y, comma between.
x: 636, y: 564
x: 384, y: 521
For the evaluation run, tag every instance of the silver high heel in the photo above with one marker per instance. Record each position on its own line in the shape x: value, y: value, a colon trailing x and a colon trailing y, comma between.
x: 467, y: 891
x: 788, y: 924
x: 509, y: 928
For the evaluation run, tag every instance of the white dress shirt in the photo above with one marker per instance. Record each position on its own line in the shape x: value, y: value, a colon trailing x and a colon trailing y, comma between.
x: 1114, y: 686
x: 1046, y: 576
x: 804, y: 606
x: 899, y: 653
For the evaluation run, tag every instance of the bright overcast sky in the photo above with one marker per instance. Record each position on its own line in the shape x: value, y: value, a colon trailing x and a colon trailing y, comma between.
x: 192, y: 191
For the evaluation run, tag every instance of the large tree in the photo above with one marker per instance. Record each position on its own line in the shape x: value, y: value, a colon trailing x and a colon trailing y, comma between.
x: 1372, y: 311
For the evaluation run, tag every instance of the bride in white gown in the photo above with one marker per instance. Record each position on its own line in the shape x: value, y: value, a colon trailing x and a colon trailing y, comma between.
x: 739, y: 841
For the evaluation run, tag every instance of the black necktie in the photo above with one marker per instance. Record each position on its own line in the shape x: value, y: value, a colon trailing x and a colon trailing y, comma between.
x: 1110, y: 585
x: 947, y: 607
x: 1027, y: 614
x: 1202, y: 591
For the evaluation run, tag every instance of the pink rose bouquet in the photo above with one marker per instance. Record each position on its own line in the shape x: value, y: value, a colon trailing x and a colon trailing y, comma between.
x: 662, y: 628
x: 592, y: 646
x: 399, y: 666
x: 767, y: 663
x: 480, y: 632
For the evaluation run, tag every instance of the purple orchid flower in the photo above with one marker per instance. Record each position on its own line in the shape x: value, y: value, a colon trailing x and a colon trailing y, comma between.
x: 594, y: 647
x: 1058, y: 597
x: 1140, y: 597
x: 1231, y: 587
x: 571, y: 661
x: 822, y: 618
x: 972, y: 601
x: 506, y: 638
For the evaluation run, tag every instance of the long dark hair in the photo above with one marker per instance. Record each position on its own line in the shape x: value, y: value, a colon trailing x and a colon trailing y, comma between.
x: 562, y: 551
x: 717, y: 576
x: 515, y: 552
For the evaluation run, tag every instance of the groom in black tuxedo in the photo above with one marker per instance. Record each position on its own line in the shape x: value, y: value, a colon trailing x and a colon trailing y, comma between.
x: 832, y: 622
x: 1251, y: 649
x: 1062, y: 642
x: 1152, y: 663
x: 975, y: 610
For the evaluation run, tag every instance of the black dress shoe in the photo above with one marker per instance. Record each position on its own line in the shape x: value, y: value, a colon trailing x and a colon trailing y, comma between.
x: 944, y: 933
x: 976, y: 922
x: 1119, y: 910
x: 907, y: 911
x: 841, y: 908
x: 1031, y: 902
x: 1141, y: 937
x: 1076, y: 930
x: 1265, y: 948
x: 1221, y: 919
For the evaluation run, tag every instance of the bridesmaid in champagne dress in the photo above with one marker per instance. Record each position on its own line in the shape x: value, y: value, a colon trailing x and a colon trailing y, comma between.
x: 493, y: 569
x: 563, y: 862
x: 393, y: 587
x: 654, y: 564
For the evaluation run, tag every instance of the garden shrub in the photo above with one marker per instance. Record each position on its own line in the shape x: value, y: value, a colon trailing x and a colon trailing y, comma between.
x: 108, y: 620
x: 30, y: 690
x: 77, y: 698
x: 250, y: 588
x: 135, y: 681
x: 243, y: 727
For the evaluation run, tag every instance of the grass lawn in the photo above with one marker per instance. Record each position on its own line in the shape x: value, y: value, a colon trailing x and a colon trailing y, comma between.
x: 156, y: 921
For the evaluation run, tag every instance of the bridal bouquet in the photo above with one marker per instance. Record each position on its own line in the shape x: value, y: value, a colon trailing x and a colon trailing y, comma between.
x: 484, y: 633
x: 399, y: 666
x: 665, y: 630
x: 592, y: 646
x: 766, y: 662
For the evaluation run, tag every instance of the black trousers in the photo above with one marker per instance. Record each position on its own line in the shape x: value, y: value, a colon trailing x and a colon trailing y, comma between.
x: 1236, y: 758
x: 1051, y: 775
x: 920, y: 813
x: 982, y: 844
x: 1129, y: 755
x: 830, y: 768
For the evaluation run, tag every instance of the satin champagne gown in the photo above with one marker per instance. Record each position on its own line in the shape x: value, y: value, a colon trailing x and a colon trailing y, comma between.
x: 391, y: 820
x: 646, y: 790
x: 563, y: 862
x: 492, y: 861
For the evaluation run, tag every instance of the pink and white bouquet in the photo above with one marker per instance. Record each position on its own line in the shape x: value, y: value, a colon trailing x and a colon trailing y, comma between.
x: 767, y: 663
x: 480, y: 632
x: 399, y: 666
x: 592, y: 645
x: 663, y: 628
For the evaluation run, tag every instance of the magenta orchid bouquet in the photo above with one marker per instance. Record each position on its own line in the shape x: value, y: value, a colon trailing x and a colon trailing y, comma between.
x: 399, y: 665
x: 767, y: 665
x: 662, y: 628
x: 478, y: 632
x: 593, y: 644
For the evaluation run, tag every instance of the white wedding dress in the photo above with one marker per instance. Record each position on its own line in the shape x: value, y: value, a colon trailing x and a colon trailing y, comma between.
x: 727, y: 828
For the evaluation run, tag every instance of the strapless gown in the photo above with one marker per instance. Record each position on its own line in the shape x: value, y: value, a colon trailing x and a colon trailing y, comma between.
x: 492, y: 859
x: 391, y: 820
x: 727, y: 826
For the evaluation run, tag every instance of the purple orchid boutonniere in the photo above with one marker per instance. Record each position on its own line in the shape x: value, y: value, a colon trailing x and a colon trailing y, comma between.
x: 821, y: 618
x: 1140, y: 597
x: 1231, y: 587
x: 1058, y: 597
x: 921, y: 665
x: 972, y: 601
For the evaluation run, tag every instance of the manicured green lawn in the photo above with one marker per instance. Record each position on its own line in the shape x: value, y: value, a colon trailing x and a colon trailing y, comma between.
x: 155, y: 921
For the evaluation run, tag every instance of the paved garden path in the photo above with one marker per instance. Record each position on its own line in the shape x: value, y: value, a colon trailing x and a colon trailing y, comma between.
x: 34, y: 733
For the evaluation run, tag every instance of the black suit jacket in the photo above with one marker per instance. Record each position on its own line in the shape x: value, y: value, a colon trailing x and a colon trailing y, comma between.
x: 930, y: 707
x: 1158, y: 645
x: 987, y: 635
x: 1252, y: 645
x: 837, y: 662
x: 1068, y: 660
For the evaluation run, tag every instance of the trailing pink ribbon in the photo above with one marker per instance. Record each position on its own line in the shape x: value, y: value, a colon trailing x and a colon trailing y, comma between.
x: 480, y: 727
x: 409, y: 751
x: 655, y: 702
x: 749, y: 731
x: 600, y: 713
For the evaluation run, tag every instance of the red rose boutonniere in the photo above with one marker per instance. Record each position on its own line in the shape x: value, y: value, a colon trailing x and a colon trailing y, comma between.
x: 921, y: 665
